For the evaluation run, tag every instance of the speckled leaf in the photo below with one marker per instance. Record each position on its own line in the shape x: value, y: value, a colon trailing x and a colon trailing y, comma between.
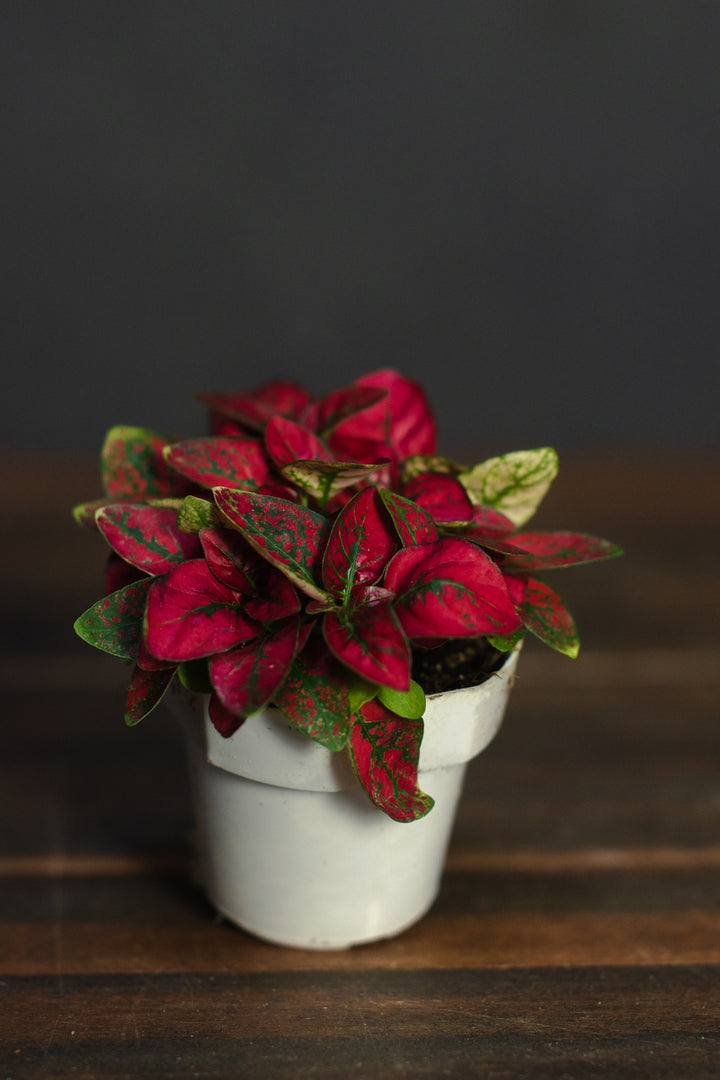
x: 324, y: 479
x: 361, y: 542
x: 254, y: 408
x: 412, y: 524
x: 442, y: 496
x: 114, y: 624
x: 246, y: 678
x: 191, y: 614
x: 220, y: 460
x: 371, y: 642
x: 402, y: 421
x: 133, y: 466
x: 195, y: 514
x: 555, y: 549
x: 385, y: 750
x: 145, y: 692
x: 268, y: 593
x: 449, y: 589
x: 147, y: 536
x: 287, y: 441
x: 314, y: 696
x: 515, y: 483
x: 290, y: 536
x: 545, y: 615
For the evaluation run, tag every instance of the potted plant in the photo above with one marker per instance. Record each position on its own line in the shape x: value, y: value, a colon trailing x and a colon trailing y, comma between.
x: 327, y: 589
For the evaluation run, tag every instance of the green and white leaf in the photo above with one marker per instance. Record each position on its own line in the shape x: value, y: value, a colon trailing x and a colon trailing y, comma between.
x: 514, y: 483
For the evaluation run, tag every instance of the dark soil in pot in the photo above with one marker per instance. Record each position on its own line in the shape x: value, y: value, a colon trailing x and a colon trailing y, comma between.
x: 456, y: 664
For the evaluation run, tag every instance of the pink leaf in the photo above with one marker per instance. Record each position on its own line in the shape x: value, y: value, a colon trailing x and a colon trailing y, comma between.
x: 444, y: 497
x: 385, y: 751
x: 402, y: 421
x: 145, y: 691
x: 147, y: 536
x: 449, y: 589
x: 253, y: 408
x: 371, y: 642
x: 290, y: 536
x: 360, y: 543
x: 246, y: 678
x: 190, y: 614
x: 553, y: 549
x: 413, y: 524
x: 545, y: 615
x: 286, y: 442
x: 268, y: 594
x: 220, y: 461
x: 314, y: 696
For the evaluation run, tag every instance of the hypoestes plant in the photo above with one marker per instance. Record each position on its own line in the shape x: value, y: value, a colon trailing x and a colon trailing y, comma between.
x: 303, y: 553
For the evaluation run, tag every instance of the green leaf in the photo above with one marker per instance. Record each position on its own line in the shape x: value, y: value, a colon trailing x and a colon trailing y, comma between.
x: 409, y: 704
x: 145, y: 692
x: 114, y: 624
x: 196, y: 514
x: 515, y: 483
x: 422, y: 463
x: 507, y: 642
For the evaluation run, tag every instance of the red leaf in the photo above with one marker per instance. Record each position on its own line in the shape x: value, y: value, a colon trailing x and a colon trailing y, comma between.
x: 545, y: 615
x: 360, y: 543
x: 449, y: 589
x: 290, y: 536
x: 254, y: 408
x: 118, y: 573
x: 220, y: 461
x: 145, y: 691
x: 402, y: 421
x: 342, y: 404
x: 246, y: 678
x: 268, y: 594
x: 114, y: 624
x: 133, y: 466
x: 413, y: 524
x: 553, y: 549
x: 225, y: 722
x: 190, y: 614
x: 286, y: 442
x: 372, y: 644
x: 147, y: 536
x: 314, y: 696
x: 385, y: 751
x: 444, y: 497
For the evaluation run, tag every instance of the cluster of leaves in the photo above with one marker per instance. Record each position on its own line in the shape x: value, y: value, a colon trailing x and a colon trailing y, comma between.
x: 297, y: 555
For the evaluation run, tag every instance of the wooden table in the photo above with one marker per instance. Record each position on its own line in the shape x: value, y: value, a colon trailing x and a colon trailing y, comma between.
x: 577, y: 933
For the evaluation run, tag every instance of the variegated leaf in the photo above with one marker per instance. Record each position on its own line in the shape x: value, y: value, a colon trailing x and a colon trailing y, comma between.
x: 114, y: 624
x: 545, y: 615
x: 442, y: 496
x: 324, y: 479
x: 287, y: 441
x: 422, y: 463
x: 253, y: 408
x: 314, y: 696
x: 190, y: 614
x: 195, y: 514
x: 360, y: 544
x: 247, y: 677
x: 385, y: 750
x: 555, y: 549
x: 290, y: 536
x: 340, y: 405
x: 133, y: 466
x: 515, y: 483
x: 449, y: 589
x: 220, y: 460
x: 268, y: 593
x: 147, y: 536
x: 371, y: 642
x: 145, y: 692
x: 412, y: 524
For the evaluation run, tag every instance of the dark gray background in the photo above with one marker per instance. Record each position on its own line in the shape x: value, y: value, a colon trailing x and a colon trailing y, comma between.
x: 514, y: 202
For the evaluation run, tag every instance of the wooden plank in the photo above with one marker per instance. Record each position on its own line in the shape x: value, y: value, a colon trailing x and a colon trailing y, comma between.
x: 640, y: 1022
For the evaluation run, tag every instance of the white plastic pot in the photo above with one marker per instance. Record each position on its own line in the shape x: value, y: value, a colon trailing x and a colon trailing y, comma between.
x: 291, y: 849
